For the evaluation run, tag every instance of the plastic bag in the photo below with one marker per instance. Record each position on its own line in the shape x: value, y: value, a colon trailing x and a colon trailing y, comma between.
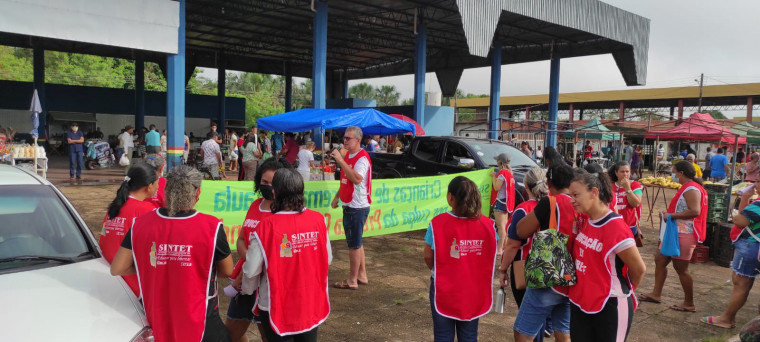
x: 670, y: 246
x: 124, y: 160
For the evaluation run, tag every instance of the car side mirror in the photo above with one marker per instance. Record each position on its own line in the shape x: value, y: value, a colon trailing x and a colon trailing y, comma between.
x: 466, y: 163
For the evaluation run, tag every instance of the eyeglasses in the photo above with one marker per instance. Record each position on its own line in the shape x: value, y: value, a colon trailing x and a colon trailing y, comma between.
x: 347, y: 138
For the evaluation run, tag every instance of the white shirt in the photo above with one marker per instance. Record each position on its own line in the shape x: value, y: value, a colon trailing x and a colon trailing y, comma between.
x: 126, y: 140
x: 163, y: 143
x: 233, y: 142
x: 210, y: 149
x: 359, y: 199
x: 304, y: 157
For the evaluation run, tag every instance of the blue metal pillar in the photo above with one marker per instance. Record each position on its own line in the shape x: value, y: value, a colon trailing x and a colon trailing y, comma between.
x: 221, y: 89
x: 344, y: 74
x: 551, y: 135
x: 493, y: 117
x: 420, y: 65
x: 39, y: 84
x: 319, y: 69
x: 288, y: 88
x: 175, y: 96
x: 139, y: 94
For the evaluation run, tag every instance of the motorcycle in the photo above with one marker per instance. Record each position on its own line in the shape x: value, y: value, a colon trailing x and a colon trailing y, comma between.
x: 99, y: 155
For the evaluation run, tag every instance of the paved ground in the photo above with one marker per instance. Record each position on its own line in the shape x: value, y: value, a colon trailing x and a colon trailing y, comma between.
x: 395, y: 306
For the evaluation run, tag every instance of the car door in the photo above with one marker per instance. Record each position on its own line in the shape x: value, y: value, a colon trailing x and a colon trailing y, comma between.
x: 454, y: 155
x: 425, y: 158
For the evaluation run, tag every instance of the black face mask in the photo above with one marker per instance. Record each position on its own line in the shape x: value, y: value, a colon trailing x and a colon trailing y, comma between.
x: 266, y: 192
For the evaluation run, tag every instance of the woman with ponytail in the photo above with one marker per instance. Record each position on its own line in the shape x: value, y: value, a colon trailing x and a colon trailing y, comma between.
x: 607, y: 264
x: 460, y: 251
x: 689, y: 209
x: 140, y: 184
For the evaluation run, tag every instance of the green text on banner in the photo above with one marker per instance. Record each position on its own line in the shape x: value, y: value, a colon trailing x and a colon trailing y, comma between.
x: 398, y: 205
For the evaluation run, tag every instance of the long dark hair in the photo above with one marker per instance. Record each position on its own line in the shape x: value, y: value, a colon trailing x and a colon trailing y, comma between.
x: 271, y: 164
x: 595, y: 180
x: 612, y: 172
x: 466, y: 197
x: 552, y: 157
x: 688, y: 170
x: 288, y: 190
x: 138, y: 176
x: 250, y: 138
x: 559, y: 176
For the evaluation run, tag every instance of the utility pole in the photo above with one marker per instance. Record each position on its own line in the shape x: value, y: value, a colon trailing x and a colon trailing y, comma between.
x: 701, y: 82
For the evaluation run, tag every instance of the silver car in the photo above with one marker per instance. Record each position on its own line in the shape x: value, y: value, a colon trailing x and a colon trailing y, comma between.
x: 55, y: 284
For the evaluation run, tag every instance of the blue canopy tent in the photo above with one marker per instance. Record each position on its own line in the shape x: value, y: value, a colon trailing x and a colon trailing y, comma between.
x: 371, y: 121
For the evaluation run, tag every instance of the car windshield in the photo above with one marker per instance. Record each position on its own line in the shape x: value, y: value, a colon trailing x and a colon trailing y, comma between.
x: 36, y: 228
x: 488, y: 150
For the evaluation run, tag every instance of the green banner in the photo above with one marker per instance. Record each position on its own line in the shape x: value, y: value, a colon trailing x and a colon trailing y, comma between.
x: 398, y: 205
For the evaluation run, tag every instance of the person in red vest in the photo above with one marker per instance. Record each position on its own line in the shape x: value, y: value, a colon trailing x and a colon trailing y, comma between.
x: 626, y: 194
x: 515, y: 248
x: 745, y: 266
x: 460, y: 249
x: 541, y: 303
x: 354, y: 192
x: 177, y: 254
x: 240, y: 312
x: 502, y: 196
x: 158, y: 163
x: 689, y: 208
x: 607, y: 264
x: 293, y: 245
x: 138, y: 186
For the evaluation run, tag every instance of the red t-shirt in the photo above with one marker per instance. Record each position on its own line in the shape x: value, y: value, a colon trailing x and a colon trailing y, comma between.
x: 630, y: 214
x: 587, y: 151
x: 158, y: 198
x: 292, y: 146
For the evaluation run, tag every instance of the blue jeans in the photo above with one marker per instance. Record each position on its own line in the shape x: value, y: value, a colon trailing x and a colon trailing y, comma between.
x: 353, y: 225
x: 539, y: 304
x: 75, y: 159
x: 745, y: 261
x: 444, y: 328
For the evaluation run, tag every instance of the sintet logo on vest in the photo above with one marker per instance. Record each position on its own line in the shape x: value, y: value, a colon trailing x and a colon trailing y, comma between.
x: 167, y: 252
x: 297, y: 243
x: 465, y: 247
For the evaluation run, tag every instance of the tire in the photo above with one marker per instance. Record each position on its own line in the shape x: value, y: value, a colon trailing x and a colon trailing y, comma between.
x: 91, y: 164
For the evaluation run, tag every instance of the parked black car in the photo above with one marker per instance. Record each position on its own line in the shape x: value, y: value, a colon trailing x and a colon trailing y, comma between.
x: 440, y: 155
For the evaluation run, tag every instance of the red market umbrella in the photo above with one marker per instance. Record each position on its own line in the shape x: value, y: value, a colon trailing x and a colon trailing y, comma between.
x: 418, y: 129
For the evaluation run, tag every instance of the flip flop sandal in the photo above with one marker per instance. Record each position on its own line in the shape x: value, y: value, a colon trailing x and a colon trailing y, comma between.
x: 682, y: 309
x: 647, y: 299
x: 362, y: 282
x: 343, y: 285
x: 709, y: 321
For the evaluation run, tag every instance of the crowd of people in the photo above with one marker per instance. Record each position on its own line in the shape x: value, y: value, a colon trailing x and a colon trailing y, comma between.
x: 170, y: 255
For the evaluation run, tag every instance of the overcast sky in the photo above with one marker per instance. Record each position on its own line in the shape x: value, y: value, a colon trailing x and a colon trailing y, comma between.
x: 687, y: 37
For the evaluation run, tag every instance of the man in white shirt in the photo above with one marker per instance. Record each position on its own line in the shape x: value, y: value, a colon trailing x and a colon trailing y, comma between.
x: 128, y: 144
x: 354, y: 193
x: 211, y: 154
x: 233, y: 151
x: 306, y: 161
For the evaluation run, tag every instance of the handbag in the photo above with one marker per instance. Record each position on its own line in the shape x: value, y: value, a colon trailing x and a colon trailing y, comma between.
x: 518, y: 268
x: 124, y: 160
x: 549, y: 263
x: 670, y: 246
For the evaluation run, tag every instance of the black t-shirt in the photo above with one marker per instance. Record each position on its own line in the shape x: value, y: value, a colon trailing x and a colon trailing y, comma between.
x: 222, y: 246
x: 543, y: 213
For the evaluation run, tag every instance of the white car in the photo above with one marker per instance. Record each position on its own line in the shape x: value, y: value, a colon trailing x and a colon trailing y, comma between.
x: 55, y: 284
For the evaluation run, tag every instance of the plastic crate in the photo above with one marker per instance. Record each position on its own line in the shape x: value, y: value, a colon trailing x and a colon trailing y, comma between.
x: 701, y: 254
x: 718, y: 188
x: 717, y: 215
x: 722, y: 248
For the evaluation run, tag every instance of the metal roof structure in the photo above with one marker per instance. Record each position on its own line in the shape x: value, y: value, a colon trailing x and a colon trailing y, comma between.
x: 374, y: 38
x: 725, y: 96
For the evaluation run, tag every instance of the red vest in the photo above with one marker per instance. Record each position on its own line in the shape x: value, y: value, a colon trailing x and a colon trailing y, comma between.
x: 174, y: 258
x: 347, y: 187
x: 252, y: 220
x: 158, y: 198
x: 113, y: 231
x: 700, y: 222
x: 599, y: 273
x: 510, y: 189
x: 295, y: 254
x: 465, y: 256
x: 527, y: 207
x: 630, y: 215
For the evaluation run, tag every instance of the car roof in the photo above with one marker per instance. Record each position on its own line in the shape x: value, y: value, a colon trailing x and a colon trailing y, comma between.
x: 11, y: 175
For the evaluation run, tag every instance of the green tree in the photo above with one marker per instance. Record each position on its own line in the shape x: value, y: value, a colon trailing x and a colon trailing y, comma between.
x: 717, y: 115
x: 362, y: 91
x: 407, y: 102
x: 387, y: 95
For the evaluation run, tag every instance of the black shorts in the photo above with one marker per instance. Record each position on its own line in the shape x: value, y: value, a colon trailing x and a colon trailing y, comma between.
x: 610, y: 324
x: 309, y: 336
x: 241, y: 308
x: 214, y: 331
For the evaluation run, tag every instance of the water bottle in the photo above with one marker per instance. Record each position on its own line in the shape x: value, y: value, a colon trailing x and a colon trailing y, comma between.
x: 498, y: 305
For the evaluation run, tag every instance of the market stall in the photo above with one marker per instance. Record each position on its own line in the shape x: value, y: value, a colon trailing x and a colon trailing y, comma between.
x: 371, y: 122
x: 592, y: 130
